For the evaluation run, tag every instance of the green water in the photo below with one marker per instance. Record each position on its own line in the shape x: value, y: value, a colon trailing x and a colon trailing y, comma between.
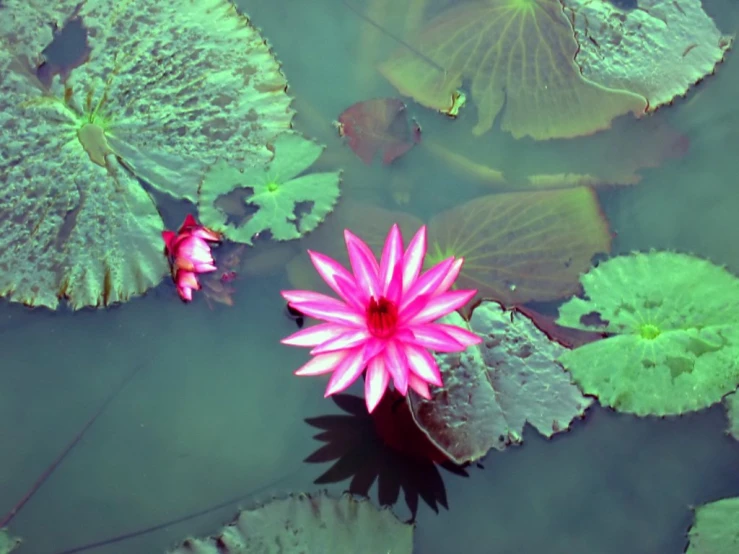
x: 215, y: 411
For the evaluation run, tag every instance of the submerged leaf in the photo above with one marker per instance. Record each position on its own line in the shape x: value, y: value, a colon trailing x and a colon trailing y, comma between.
x: 492, y: 390
x: 675, y: 321
x: 658, y: 51
x: 514, y: 52
x: 523, y: 246
x: 165, y: 93
x: 314, y: 523
x: 716, y: 528
x: 372, y: 223
x: 731, y: 401
x: 379, y: 125
x: 285, y: 203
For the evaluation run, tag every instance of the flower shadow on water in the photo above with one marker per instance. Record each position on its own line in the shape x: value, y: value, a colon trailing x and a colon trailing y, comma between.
x: 358, y: 445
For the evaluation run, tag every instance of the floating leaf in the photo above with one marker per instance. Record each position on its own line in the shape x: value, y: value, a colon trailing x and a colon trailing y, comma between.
x: 491, y: 391
x: 169, y: 88
x: 285, y: 203
x: 379, y: 125
x: 716, y: 528
x: 303, y: 523
x: 675, y: 321
x: 514, y: 52
x: 731, y: 401
x: 7, y: 543
x: 658, y: 51
x: 522, y: 246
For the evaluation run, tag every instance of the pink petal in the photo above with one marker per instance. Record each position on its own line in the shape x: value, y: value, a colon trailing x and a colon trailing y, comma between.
x: 441, y: 305
x: 463, y: 336
x: 413, y: 258
x: 423, y: 364
x: 203, y: 268
x: 169, y: 238
x: 185, y: 293
x: 188, y: 224
x: 392, y: 257
x: 396, y: 364
x: 313, y: 336
x: 195, y: 249
x: 436, y: 338
x: 300, y: 296
x: 427, y: 284
x: 364, y: 265
x: 333, y: 312
x: 375, y: 382
x: 325, y: 363
x: 337, y: 277
x: 451, y: 276
x: 187, y: 279
x: 347, y: 340
x: 206, y: 234
x: 420, y: 386
x: 349, y: 369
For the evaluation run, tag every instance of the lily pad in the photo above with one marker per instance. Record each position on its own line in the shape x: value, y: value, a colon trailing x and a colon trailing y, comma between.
x: 517, y: 53
x: 492, y: 390
x: 276, y: 197
x: 658, y: 51
x: 379, y: 125
x: 166, y: 91
x: 303, y: 523
x: 675, y: 325
x: 731, y: 401
x: 716, y: 528
x: 7, y: 543
x: 523, y: 246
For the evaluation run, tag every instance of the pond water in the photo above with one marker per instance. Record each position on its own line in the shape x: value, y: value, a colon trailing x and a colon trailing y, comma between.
x: 214, y: 417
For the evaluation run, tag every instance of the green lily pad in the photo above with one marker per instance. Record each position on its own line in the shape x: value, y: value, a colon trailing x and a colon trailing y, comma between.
x: 283, y: 202
x: 716, y: 528
x: 658, y: 51
x: 731, y: 401
x: 675, y: 325
x: 169, y: 88
x: 518, y: 56
x: 492, y: 390
x: 7, y: 543
x: 303, y: 523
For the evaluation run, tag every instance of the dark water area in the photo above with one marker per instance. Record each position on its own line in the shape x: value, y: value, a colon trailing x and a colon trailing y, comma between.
x: 214, y: 419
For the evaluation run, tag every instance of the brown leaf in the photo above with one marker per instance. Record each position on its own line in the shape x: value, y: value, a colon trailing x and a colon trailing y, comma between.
x: 379, y: 125
x: 522, y: 246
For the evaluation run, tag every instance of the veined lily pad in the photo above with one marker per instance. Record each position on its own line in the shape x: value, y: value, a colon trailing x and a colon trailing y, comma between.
x: 521, y: 246
x: 492, y: 390
x: 169, y: 88
x: 659, y: 50
x: 716, y: 528
x: 303, y: 523
x: 675, y: 325
x: 514, y: 52
x: 285, y: 203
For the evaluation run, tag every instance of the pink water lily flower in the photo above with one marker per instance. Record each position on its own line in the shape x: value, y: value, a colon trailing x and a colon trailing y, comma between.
x: 383, y: 320
x: 188, y: 251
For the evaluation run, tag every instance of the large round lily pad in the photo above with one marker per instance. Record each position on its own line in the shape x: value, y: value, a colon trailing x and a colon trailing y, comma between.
x: 7, y: 543
x: 655, y: 48
x: 303, y: 523
x: 492, y: 390
x: 716, y: 528
x: 169, y: 87
x: 674, y: 321
x: 517, y: 56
